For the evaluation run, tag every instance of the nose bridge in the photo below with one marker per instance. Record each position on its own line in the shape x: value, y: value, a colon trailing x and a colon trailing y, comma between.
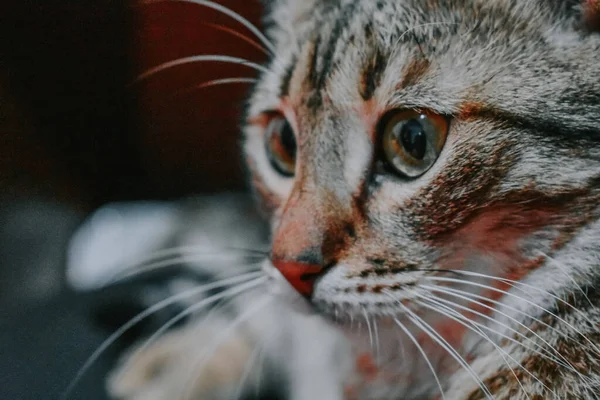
x: 301, y: 228
x: 317, y: 220
x: 305, y: 241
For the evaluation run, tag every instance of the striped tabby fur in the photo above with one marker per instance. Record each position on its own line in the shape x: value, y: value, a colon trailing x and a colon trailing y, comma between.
x: 479, y: 279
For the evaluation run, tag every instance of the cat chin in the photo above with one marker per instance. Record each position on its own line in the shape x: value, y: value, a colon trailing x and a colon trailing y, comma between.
x: 372, y: 326
x: 389, y: 364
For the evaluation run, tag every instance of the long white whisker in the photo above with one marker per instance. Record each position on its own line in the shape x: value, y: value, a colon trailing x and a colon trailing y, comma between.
x: 369, y: 328
x: 198, y: 306
x: 185, y: 257
x: 146, y: 313
x: 446, y: 304
x: 521, y: 312
x: 230, y: 13
x: 214, y: 345
x: 565, y: 363
x: 215, y: 82
x: 200, y: 250
x: 261, y: 367
x: 449, y: 313
x: 433, y: 334
x: 252, y: 267
x: 479, y: 327
x: 568, y: 276
x: 420, y: 349
x: 239, y: 35
x: 594, y: 346
x: 250, y: 364
x: 258, y: 351
x: 459, y: 293
x: 518, y: 286
x: 200, y: 58
x: 376, y: 334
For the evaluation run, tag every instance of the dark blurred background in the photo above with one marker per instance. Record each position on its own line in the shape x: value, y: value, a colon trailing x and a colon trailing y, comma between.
x: 75, y: 134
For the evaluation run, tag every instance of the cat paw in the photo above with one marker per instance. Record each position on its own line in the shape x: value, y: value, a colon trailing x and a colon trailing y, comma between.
x: 179, y: 366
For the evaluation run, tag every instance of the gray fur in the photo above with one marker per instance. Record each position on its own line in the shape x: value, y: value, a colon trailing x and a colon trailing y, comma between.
x: 520, y: 81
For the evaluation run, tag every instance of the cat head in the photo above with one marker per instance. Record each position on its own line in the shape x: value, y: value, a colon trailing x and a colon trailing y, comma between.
x: 402, y: 144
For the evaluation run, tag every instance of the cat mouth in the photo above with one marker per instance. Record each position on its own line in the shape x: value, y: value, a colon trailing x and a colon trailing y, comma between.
x: 342, y: 295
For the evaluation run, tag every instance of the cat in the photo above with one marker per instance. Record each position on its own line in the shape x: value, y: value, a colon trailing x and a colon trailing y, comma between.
x: 430, y: 170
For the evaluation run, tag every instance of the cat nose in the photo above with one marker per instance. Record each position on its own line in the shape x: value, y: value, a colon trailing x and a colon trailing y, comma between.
x: 301, y: 276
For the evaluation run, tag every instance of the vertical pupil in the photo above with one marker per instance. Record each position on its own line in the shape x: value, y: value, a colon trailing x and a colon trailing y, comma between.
x: 414, y: 139
x: 288, y: 140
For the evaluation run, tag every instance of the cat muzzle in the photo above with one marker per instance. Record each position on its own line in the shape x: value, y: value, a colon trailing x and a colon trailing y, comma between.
x: 300, y: 275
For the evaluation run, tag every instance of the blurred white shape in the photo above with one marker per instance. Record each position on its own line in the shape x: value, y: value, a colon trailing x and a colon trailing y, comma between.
x: 115, y: 237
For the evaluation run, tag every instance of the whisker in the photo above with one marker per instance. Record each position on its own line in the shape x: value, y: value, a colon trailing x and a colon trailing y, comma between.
x: 175, y: 261
x: 449, y: 313
x: 402, y: 349
x: 465, y: 293
x: 517, y: 285
x: 227, y: 11
x: 549, y: 356
x: 250, y: 364
x: 480, y: 326
x: 215, y: 82
x: 521, y: 312
x: 177, y: 255
x: 198, y: 306
x: 166, y: 252
x: 214, y: 345
x: 143, y: 315
x: 420, y: 349
x: 433, y: 334
x: 200, y: 58
x: 257, y: 353
x: 369, y: 328
x: 237, y: 34
x: 376, y: 334
x: 506, y: 353
x: 568, y: 276
x: 261, y: 367
x: 124, y: 275
x: 594, y: 346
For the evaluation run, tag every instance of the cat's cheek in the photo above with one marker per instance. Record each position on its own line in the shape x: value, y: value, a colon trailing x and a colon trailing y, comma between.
x: 492, y: 244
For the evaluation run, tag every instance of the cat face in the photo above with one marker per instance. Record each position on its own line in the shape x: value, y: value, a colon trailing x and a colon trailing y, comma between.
x: 404, y: 146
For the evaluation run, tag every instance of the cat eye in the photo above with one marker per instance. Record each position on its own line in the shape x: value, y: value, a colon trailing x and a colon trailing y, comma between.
x: 413, y: 140
x: 280, y: 143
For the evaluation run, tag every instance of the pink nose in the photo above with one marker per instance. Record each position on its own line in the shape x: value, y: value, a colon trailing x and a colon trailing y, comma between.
x: 301, y: 276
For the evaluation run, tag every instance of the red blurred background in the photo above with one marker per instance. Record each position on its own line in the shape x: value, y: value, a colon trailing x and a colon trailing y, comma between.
x: 73, y: 127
